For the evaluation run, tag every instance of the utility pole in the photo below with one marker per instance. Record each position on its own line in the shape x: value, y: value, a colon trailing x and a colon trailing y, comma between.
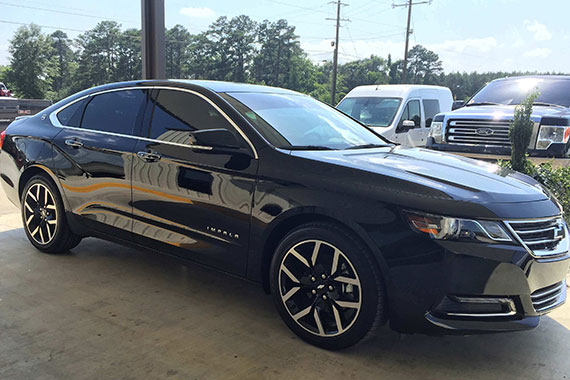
x: 408, y: 32
x: 335, y: 54
x: 153, y: 36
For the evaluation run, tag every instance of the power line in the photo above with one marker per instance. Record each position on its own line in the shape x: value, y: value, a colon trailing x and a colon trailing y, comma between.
x: 62, y: 12
x: 43, y: 26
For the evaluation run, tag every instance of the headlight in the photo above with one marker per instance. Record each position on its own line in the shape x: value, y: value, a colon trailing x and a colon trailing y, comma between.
x: 446, y: 228
x: 549, y: 134
x: 435, y: 131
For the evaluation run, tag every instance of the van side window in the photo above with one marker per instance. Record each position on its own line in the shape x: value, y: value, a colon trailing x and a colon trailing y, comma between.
x: 412, y: 113
x: 431, y: 108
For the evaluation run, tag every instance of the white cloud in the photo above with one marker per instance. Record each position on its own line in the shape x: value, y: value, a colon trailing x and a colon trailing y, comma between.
x: 540, y: 31
x: 203, y: 12
x: 469, y: 45
x: 538, y: 53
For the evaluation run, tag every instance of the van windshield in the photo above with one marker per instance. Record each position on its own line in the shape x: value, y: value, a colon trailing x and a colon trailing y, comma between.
x: 372, y: 111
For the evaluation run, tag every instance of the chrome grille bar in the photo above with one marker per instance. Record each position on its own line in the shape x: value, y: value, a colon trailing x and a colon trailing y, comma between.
x: 549, y: 297
x: 542, y: 237
x: 479, y: 132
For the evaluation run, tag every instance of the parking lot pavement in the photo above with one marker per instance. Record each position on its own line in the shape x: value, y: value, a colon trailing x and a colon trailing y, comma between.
x: 109, y: 312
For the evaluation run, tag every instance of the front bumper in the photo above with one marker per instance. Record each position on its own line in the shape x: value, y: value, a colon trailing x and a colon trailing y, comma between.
x: 474, y: 271
x: 555, y: 149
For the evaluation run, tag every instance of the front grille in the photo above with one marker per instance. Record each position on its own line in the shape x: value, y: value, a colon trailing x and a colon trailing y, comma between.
x: 479, y: 132
x: 545, y: 237
x: 549, y: 297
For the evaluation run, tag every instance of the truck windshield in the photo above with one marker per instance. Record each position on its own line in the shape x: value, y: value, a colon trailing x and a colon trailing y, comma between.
x: 553, y: 91
x: 373, y: 111
x: 293, y: 121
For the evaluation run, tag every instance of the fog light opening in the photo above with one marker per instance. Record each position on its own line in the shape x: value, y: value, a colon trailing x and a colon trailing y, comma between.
x: 478, y: 307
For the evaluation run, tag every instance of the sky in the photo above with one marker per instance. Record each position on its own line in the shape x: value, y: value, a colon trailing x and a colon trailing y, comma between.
x: 468, y: 35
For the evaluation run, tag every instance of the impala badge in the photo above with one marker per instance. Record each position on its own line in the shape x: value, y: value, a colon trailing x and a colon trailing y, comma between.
x: 219, y: 231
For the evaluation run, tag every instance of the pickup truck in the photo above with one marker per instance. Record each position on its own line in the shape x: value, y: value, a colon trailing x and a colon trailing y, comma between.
x: 4, y: 90
x: 481, y: 125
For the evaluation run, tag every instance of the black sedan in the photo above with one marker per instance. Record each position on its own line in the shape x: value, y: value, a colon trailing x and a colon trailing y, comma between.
x: 345, y: 229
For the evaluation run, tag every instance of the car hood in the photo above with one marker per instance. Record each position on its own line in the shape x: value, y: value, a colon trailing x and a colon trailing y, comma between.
x: 415, y: 173
x: 507, y: 112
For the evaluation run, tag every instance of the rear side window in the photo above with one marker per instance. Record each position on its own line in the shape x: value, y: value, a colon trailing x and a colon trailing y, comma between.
x: 115, y: 111
x: 177, y: 112
x: 71, y: 116
x: 431, y: 108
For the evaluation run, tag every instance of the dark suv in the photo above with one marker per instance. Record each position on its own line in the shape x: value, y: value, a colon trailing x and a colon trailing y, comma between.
x: 345, y: 229
x: 482, y: 124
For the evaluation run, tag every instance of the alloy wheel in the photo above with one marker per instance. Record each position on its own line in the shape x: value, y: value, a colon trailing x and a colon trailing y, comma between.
x: 40, y: 213
x: 320, y: 288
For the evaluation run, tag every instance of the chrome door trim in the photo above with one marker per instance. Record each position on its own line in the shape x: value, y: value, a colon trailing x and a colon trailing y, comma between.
x: 55, y: 121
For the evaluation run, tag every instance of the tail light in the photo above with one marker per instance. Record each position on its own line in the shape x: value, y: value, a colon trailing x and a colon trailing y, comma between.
x: 2, y: 136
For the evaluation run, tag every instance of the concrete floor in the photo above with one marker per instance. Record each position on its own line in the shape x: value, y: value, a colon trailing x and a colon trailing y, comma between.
x: 110, y: 312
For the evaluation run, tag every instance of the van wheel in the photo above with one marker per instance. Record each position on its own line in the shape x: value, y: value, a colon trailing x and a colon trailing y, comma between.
x: 326, y: 287
x: 44, y: 217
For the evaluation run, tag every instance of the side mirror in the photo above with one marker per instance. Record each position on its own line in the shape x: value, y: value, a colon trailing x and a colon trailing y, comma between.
x: 216, y: 138
x: 408, y: 124
x: 457, y: 104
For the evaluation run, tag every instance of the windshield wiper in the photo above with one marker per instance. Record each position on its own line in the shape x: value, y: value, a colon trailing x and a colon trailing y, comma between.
x: 483, y: 104
x: 366, y: 146
x: 307, y: 147
x: 547, y: 104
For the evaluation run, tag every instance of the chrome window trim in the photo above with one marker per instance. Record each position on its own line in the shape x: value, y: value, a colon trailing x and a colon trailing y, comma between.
x: 55, y: 121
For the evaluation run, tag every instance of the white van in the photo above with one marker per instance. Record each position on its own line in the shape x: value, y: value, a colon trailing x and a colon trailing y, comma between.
x: 401, y: 113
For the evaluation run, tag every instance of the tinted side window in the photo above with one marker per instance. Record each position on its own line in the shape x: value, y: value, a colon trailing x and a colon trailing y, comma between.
x: 176, y: 113
x: 431, y: 108
x: 411, y: 112
x: 71, y: 116
x: 115, y: 111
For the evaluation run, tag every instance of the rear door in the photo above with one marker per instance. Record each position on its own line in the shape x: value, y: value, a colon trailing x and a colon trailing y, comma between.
x: 94, y: 155
x: 191, y: 200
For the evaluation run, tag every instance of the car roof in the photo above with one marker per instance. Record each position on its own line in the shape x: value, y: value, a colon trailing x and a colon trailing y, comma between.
x: 559, y: 77
x: 392, y: 90
x: 221, y: 86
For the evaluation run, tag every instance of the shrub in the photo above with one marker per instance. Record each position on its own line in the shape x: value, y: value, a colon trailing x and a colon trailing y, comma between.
x: 520, y: 131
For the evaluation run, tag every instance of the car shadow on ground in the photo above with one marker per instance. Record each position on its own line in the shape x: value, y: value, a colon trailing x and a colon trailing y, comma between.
x: 168, y: 314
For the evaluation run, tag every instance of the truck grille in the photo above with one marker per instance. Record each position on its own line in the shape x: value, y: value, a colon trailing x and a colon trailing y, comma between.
x: 544, y: 237
x: 549, y: 297
x: 479, y: 132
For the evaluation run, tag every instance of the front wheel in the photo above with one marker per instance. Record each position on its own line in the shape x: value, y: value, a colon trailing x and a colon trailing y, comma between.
x: 326, y: 287
x: 44, y: 217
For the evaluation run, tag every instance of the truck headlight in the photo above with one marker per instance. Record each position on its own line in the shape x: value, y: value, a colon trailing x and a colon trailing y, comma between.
x: 436, y: 131
x: 446, y: 228
x: 549, y: 134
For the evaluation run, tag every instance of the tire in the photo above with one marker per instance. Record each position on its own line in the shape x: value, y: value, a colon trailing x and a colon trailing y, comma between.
x: 322, y: 276
x: 44, y: 218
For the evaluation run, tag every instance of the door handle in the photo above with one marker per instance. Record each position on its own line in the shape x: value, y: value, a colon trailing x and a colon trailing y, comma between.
x: 74, y: 143
x: 148, y: 157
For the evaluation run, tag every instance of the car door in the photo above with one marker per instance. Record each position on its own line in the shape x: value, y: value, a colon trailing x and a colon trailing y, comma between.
x: 411, y: 135
x: 431, y: 108
x: 193, y: 200
x: 94, y: 155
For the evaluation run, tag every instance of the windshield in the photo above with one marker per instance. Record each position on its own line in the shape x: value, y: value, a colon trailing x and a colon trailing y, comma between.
x: 373, y: 111
x: 297, y: 121
x: 514, y: 91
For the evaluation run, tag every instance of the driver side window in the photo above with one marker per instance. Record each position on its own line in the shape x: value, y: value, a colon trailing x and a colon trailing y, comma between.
x: 411, y: 113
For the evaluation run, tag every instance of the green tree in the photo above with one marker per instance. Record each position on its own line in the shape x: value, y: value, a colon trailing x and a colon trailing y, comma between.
x: 281, y: 61
x: 520, y: 132
x: 178, y: 43
x: 63, y: 59
x: 98, y: 55
x: 31, y: 70
x: 373, y: 70
x: 424, y: 66
x: 129, y: 62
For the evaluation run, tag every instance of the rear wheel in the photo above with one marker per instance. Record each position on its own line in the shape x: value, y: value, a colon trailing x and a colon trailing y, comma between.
x: 325, y: 286
x: 44, y: 217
